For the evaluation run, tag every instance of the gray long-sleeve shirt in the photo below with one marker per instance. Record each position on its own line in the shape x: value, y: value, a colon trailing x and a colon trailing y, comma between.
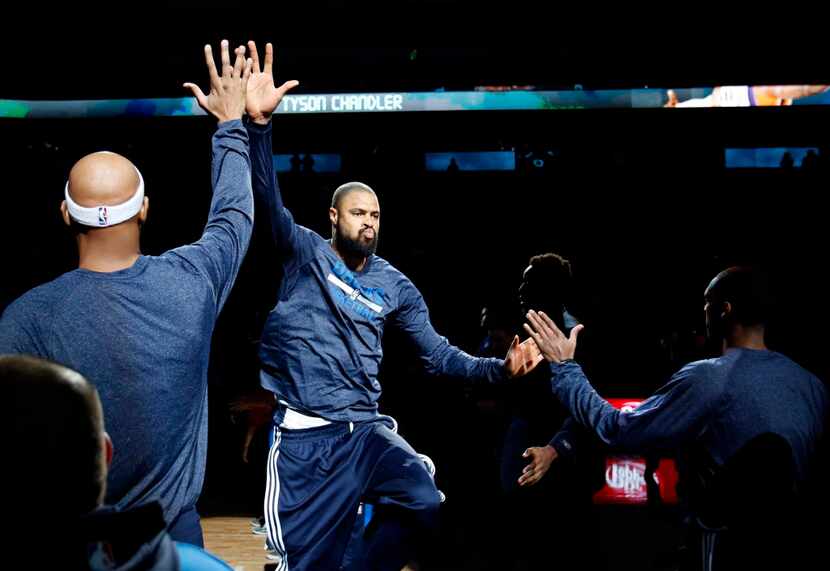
x: 321, y: 346
x: 720, y: 404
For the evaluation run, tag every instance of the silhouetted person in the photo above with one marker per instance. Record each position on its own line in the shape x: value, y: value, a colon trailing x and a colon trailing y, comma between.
x: 548, y: 462
x: 296, y: 163
x: 308, y: 163
x: 810, y: 161
x: 56, y: 456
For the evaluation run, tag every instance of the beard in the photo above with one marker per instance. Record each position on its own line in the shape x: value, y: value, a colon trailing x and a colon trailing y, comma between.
x: 356, y: 248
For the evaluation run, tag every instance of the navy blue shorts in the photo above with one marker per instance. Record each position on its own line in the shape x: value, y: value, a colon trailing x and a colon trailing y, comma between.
x: 318, y: 477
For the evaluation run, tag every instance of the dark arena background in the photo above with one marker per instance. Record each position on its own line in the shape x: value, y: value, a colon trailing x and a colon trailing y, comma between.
x: 512, y: 152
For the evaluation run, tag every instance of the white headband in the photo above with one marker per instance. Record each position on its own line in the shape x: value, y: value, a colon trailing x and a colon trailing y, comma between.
x: 105, y: 215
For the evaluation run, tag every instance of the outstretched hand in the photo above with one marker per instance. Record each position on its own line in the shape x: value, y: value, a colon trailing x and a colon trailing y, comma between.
x: 226, y: 99
x: 263, y: 96
x: 541, y: 458
x: 552, y: 343
x: 521, y: 358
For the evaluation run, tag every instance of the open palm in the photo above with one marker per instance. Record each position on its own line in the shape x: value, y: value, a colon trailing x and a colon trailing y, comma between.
x: 263, y: 96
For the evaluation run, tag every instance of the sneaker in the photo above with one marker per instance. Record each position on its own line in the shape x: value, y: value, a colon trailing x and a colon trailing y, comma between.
x: 258, y: 526
x: 272, y: 554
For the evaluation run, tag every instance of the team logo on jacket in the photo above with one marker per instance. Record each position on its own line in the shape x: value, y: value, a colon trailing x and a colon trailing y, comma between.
x: 345, y: 288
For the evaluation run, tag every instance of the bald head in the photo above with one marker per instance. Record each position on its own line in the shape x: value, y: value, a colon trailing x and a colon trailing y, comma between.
x: 105, y: 192
x: 52, y: 436
x: 344, y: 190
x: 102, y: 178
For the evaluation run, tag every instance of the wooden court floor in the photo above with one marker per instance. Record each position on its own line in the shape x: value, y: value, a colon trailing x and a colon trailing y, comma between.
x: 230, y: 539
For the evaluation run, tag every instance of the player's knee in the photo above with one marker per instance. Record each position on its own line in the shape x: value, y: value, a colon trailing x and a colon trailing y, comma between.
x: 426, y: 498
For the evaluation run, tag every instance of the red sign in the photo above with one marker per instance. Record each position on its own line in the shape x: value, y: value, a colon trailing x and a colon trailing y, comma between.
x: 625, y: 476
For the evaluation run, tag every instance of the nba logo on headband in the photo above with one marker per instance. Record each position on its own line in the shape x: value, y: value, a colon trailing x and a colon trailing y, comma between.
x: 106, y: 215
